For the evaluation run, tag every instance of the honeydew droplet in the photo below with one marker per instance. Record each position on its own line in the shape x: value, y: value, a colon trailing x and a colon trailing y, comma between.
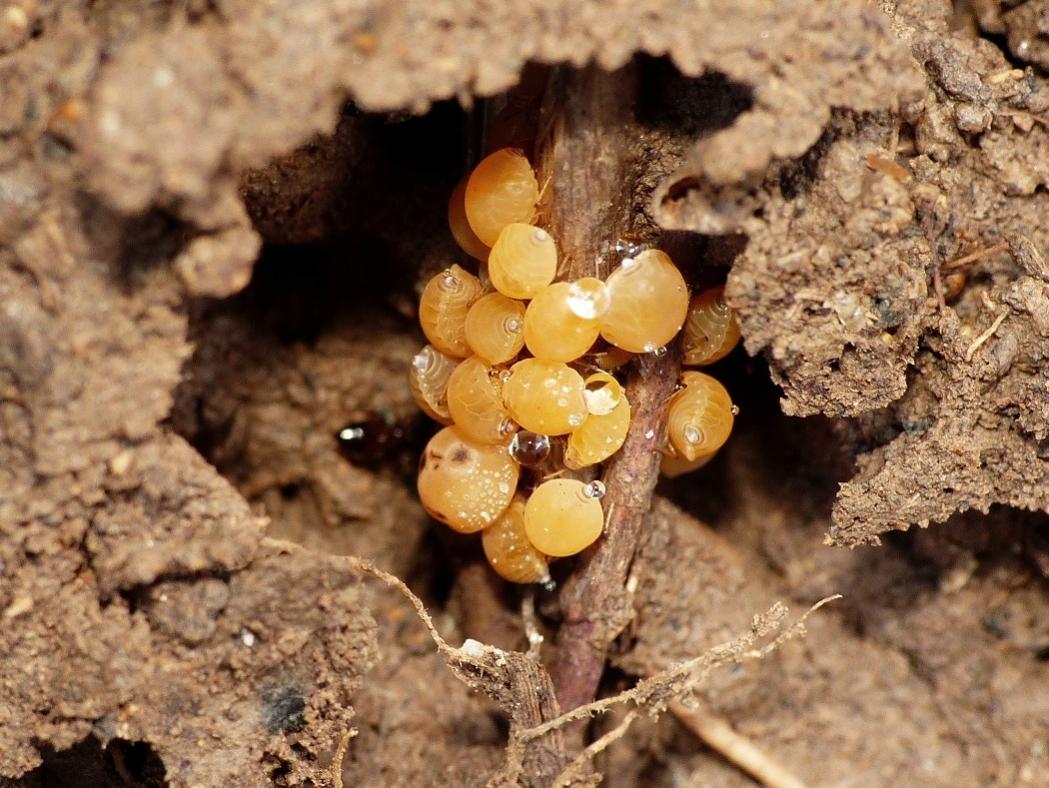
x: 735, y: 410
x: 529, y: 448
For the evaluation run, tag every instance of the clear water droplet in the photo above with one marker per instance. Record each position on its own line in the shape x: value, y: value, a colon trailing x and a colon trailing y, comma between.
x: 735, y: 410
x: 659, y: 351
x: 595, y: 490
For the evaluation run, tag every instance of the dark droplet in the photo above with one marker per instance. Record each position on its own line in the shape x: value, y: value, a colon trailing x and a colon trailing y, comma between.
x: 529, y: 448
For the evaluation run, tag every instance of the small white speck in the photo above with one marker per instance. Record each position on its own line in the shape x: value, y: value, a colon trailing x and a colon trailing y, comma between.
x: 109, y: 121
x: 247, y: 637
x: 163, y: 77
x: 650, y: 434
x: 473, y: 648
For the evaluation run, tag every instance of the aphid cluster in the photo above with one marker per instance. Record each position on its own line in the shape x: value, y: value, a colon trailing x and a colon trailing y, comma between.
x: 521, y: 369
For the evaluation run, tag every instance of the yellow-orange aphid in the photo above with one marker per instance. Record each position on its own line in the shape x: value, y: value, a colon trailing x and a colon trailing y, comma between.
x: 428, y: 379
x: 523, y: 261
x: 545, y: 396
x: 612, y: 358
x: 700, y: 417
x: 495, y: 328
x: 465, y: 484
x: 508, y: 550
x: 475, y: 401
x: 599, y: 438
x: 711, y: 329
x: 649, y: 301
x: 602, y: 393
x: 562, y: 321
x: 460, y: 227
x: 443, y: 306
x: 672, y: 467
x: 501, y: 190
x: 564, y: 516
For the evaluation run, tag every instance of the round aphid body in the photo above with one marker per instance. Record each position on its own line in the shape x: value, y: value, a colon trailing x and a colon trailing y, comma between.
x: 465, y: 484
x: 529, y: 448
x: 556, y: 327
x: 612, y: 358
x: 599, y: 438
x: 460, y: 226
x: 428, y: 380
x: 495, y: 328
x: 711, y: 330
x: 523, y: 260
x: 672, y: 467
x: 602, y: 393
x: 564, y: 516
x: 508, y: 550
x: 475, y: 402
x: 501, y: 190
x: 648, y: 303
x: 700, y: 416
x: 545, y: 396
x: 443, y: 307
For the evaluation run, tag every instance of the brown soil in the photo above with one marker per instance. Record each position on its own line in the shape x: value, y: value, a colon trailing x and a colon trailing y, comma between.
x: 214, y: 219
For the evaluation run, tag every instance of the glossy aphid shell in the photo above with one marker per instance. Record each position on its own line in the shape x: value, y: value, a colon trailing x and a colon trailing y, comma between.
x: 648, y: 303
x: 443, y: 307
x: 428, y: 379
x: 495, y: 328
x: 672, y: 467
x: 700, y: 416
x: 465, y: 484
x: 560, y: 324
x: 501, y: 190
x: 711, y: 330
x: 599, y: 438
x: 545, y: 396
x: 523, y: 261
x: 562, y: 517
x: 460, y: 226
x: 475, y: 402
x: 508, y: 550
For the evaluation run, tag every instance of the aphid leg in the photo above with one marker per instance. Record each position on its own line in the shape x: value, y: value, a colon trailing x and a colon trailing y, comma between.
x: 555, y: 474
x: 543, y: 188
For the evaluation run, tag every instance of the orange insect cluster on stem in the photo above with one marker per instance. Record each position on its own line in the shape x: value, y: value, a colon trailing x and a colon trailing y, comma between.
x: 532, y: 366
